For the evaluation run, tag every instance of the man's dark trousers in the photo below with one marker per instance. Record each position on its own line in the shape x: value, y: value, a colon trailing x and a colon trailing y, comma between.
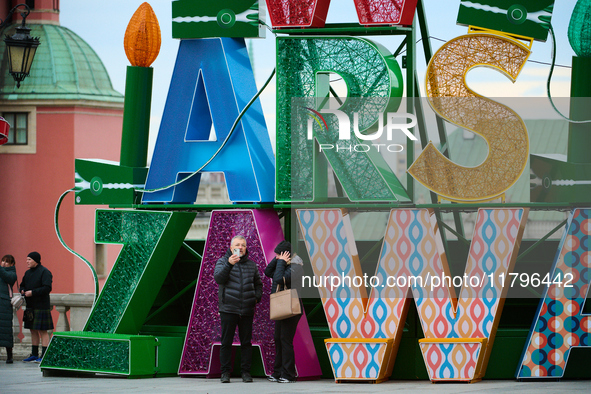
x: 229, y: 322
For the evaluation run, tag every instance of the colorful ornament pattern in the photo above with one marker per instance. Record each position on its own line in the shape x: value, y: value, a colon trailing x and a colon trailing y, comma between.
x: 561, y: 324
x: 452, y: 360
x: 361, y: 360
x: 412, y: 253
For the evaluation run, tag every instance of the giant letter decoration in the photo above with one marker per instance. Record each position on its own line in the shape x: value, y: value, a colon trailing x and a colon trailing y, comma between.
x: 298, y: 13
x: 561, y: 324
x: 212, y: 82
x: 503, y: 130
x: 365, y: 333
x: 111, y: 341
x: 150, y: 241
x: 458, y: 333
x: 369, y: 72
x: 312, y: 13
x: 262, y: 231
x: 385, y: 12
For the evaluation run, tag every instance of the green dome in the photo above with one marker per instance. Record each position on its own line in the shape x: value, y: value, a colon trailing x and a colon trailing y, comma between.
x: 65, y: 67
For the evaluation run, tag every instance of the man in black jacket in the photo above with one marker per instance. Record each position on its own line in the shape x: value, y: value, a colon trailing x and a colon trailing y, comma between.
x: 36, y: 286
x: 240, y: 289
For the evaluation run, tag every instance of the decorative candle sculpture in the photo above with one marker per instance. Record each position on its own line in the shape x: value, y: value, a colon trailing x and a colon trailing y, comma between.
x: 142, y: 37
x: 142, y: 45
x: 101, y: 182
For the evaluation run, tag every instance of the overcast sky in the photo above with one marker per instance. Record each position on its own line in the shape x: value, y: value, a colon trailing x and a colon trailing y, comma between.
x: 102, y: 24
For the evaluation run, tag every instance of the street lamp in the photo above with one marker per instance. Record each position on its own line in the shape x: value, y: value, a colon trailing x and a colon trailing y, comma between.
x: 21, y: 47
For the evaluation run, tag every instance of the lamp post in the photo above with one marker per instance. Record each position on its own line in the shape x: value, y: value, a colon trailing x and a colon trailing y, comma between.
x: 21, y: 47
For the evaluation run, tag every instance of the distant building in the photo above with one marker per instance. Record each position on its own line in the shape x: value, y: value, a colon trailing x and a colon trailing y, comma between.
x: 65, y: 109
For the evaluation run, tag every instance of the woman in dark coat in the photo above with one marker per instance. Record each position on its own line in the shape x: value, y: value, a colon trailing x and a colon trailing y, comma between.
x: 7, y: 278
x: 285, y: 269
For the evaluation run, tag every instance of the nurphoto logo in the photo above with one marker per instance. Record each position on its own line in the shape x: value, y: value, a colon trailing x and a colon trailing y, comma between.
x: 395, y: 122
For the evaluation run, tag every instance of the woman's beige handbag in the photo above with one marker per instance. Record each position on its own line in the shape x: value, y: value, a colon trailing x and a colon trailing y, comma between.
x: 285, y: 303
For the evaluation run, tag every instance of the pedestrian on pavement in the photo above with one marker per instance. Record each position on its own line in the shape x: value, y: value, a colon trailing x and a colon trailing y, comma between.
x: 240, y: 289
x: 36, y: 286
x: 285, y: 269
x: 7, y: 280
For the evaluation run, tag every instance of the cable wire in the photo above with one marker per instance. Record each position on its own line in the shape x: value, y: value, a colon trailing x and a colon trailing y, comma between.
x: 59, y: 236
x: 550, y: 79
x: 261, y: 22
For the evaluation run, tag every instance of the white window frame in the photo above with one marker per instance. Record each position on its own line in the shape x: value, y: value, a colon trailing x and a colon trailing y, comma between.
x: 31, y: 146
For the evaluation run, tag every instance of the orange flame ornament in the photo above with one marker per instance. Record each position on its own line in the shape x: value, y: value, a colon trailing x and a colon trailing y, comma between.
x: 142, y: 37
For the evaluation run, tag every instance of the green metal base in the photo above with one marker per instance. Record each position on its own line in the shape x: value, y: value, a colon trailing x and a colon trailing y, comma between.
x: 134, y: 356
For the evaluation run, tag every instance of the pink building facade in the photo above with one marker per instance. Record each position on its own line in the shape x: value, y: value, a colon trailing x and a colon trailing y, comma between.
x: 65, y: 109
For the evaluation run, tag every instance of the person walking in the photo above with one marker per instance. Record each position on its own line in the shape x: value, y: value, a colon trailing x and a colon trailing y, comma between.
x: 36, y: 286
x: 7, y: 279
x: 240, y: 289
x: 285, y: 270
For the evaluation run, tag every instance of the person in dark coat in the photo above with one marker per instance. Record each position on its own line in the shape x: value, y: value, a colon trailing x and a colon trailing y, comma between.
x: 286, y: 270
x: 7, y: 279
x: 240, y: 289
x: 36, y: 286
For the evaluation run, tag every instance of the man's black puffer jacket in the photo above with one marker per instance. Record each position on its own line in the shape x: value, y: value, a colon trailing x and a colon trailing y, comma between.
x: 240, y: 285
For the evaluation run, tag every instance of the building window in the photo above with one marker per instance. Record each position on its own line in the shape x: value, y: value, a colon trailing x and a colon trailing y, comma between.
x: 22, y: 137
x: 18, y: 134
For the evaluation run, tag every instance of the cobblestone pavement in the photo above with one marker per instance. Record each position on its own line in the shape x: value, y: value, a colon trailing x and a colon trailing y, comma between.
x: 24, y: 377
